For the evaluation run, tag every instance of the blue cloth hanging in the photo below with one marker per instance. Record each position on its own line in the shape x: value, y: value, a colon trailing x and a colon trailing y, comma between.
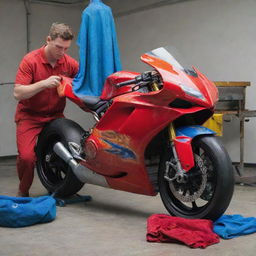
x: 230, y: 226
x: 98, y: 50
x: 25, y: 211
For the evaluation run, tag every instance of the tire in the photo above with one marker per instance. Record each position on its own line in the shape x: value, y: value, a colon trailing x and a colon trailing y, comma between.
x: 209, y: 188
x: 55, y: 175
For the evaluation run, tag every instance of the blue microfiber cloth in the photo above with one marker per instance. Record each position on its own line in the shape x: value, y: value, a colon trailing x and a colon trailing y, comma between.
x: 230, y: 226
x: 25, y: 211
x: 98, y: 50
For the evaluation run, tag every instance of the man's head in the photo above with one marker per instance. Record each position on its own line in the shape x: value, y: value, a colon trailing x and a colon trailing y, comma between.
x: 58, y: 40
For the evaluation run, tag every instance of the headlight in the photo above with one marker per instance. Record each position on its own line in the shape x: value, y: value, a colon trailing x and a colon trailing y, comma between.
x: 192, y: 92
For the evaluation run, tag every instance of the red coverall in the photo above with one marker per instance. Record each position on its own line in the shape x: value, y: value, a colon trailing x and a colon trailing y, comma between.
x: 34, y: 113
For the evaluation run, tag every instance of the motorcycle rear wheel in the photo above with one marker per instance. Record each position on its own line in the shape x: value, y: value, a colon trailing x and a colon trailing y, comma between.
x: 56, y: 175
x: 209, y: 188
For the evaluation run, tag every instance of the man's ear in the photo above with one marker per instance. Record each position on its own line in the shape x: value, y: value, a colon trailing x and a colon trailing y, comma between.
x: 48, y: 39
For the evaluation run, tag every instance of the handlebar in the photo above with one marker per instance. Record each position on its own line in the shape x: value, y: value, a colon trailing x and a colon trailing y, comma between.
x: 133, y: 81
x: 144, y: 77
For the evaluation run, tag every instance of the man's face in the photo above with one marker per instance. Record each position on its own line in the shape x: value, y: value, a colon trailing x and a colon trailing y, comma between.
x: 58, y: 47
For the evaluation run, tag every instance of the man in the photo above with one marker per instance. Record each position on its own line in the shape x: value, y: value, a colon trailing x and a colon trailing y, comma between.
x: 35, y: 89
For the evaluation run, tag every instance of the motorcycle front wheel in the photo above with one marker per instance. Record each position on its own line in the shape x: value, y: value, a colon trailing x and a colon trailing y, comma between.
x: 55, y: 174
x: 209, y: 187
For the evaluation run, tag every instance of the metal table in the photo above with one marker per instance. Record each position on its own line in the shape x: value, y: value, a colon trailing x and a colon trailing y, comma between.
x: 231, y: 103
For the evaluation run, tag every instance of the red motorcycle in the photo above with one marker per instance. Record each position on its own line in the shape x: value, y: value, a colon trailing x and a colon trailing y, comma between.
x: 147, y: 139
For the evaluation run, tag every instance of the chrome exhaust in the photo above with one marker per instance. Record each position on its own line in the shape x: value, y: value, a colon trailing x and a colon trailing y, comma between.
x: 84, y: 174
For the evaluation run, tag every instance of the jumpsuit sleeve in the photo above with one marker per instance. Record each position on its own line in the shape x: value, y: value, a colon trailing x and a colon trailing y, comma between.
x: 24, y: 74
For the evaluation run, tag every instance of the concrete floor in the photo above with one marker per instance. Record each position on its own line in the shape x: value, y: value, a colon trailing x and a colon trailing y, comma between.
x: 113, y: 223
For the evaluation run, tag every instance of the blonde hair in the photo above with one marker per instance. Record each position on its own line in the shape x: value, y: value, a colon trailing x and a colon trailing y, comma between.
x: 61, y: 30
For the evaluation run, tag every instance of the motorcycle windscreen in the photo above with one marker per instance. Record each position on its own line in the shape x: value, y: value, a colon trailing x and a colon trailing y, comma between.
x: 170, y: 55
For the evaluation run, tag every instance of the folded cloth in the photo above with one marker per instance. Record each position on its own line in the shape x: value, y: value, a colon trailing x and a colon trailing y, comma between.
x: 230, y: 226
x: 26, y: 211
x: 192, y: 232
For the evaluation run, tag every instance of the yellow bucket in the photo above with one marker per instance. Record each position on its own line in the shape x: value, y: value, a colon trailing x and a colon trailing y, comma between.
x: 215, y: 123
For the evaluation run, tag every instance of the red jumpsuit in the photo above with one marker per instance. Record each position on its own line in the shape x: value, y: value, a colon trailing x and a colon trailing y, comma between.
x: 34, y: 113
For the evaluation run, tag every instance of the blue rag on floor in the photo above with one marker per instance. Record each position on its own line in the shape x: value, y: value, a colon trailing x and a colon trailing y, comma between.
x: 98, y: 50
x: 230, y: 226
x: 25, y: 211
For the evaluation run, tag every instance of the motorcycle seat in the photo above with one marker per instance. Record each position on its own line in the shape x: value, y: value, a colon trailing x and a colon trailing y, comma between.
x: 94, y: 103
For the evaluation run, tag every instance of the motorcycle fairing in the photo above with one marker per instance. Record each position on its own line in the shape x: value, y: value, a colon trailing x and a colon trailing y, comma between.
x: 129, y: 123
x: 65, y: 90
x: 123, y: 152
x: 182, y: 142
x: 110, y: 90
x: 175, y: 78
x: 115, y: 145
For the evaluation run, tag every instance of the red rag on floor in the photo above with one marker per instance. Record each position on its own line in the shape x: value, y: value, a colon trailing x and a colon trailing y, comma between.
x: 192, y: 232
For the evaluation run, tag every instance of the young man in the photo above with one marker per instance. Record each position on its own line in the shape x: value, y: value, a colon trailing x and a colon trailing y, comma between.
x: 36, y: 90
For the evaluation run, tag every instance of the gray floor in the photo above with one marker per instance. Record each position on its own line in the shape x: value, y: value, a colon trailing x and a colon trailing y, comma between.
x: 113, y: 223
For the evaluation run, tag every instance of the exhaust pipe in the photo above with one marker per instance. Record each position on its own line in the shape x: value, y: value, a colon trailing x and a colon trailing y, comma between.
x: 84, y: 174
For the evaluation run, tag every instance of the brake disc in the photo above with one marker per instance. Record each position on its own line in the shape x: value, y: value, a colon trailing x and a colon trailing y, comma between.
x: 187, y: 197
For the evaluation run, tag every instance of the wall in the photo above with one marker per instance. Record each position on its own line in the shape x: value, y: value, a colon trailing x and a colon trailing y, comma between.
x: 218, y: 36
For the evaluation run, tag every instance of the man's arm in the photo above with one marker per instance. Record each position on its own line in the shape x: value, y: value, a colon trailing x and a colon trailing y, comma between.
x: 22, y: 92
x: 24, y: 87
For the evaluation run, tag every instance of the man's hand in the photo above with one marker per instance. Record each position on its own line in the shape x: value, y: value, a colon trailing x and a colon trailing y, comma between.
x: 52, y: 81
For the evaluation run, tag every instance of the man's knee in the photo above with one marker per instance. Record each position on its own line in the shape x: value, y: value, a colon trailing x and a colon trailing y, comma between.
x: 27, y: 157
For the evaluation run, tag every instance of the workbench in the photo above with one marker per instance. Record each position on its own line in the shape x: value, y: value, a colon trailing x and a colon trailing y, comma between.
x: 232, y: 96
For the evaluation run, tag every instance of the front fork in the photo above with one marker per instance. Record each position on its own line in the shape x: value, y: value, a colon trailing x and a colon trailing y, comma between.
x: 183, y: 159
